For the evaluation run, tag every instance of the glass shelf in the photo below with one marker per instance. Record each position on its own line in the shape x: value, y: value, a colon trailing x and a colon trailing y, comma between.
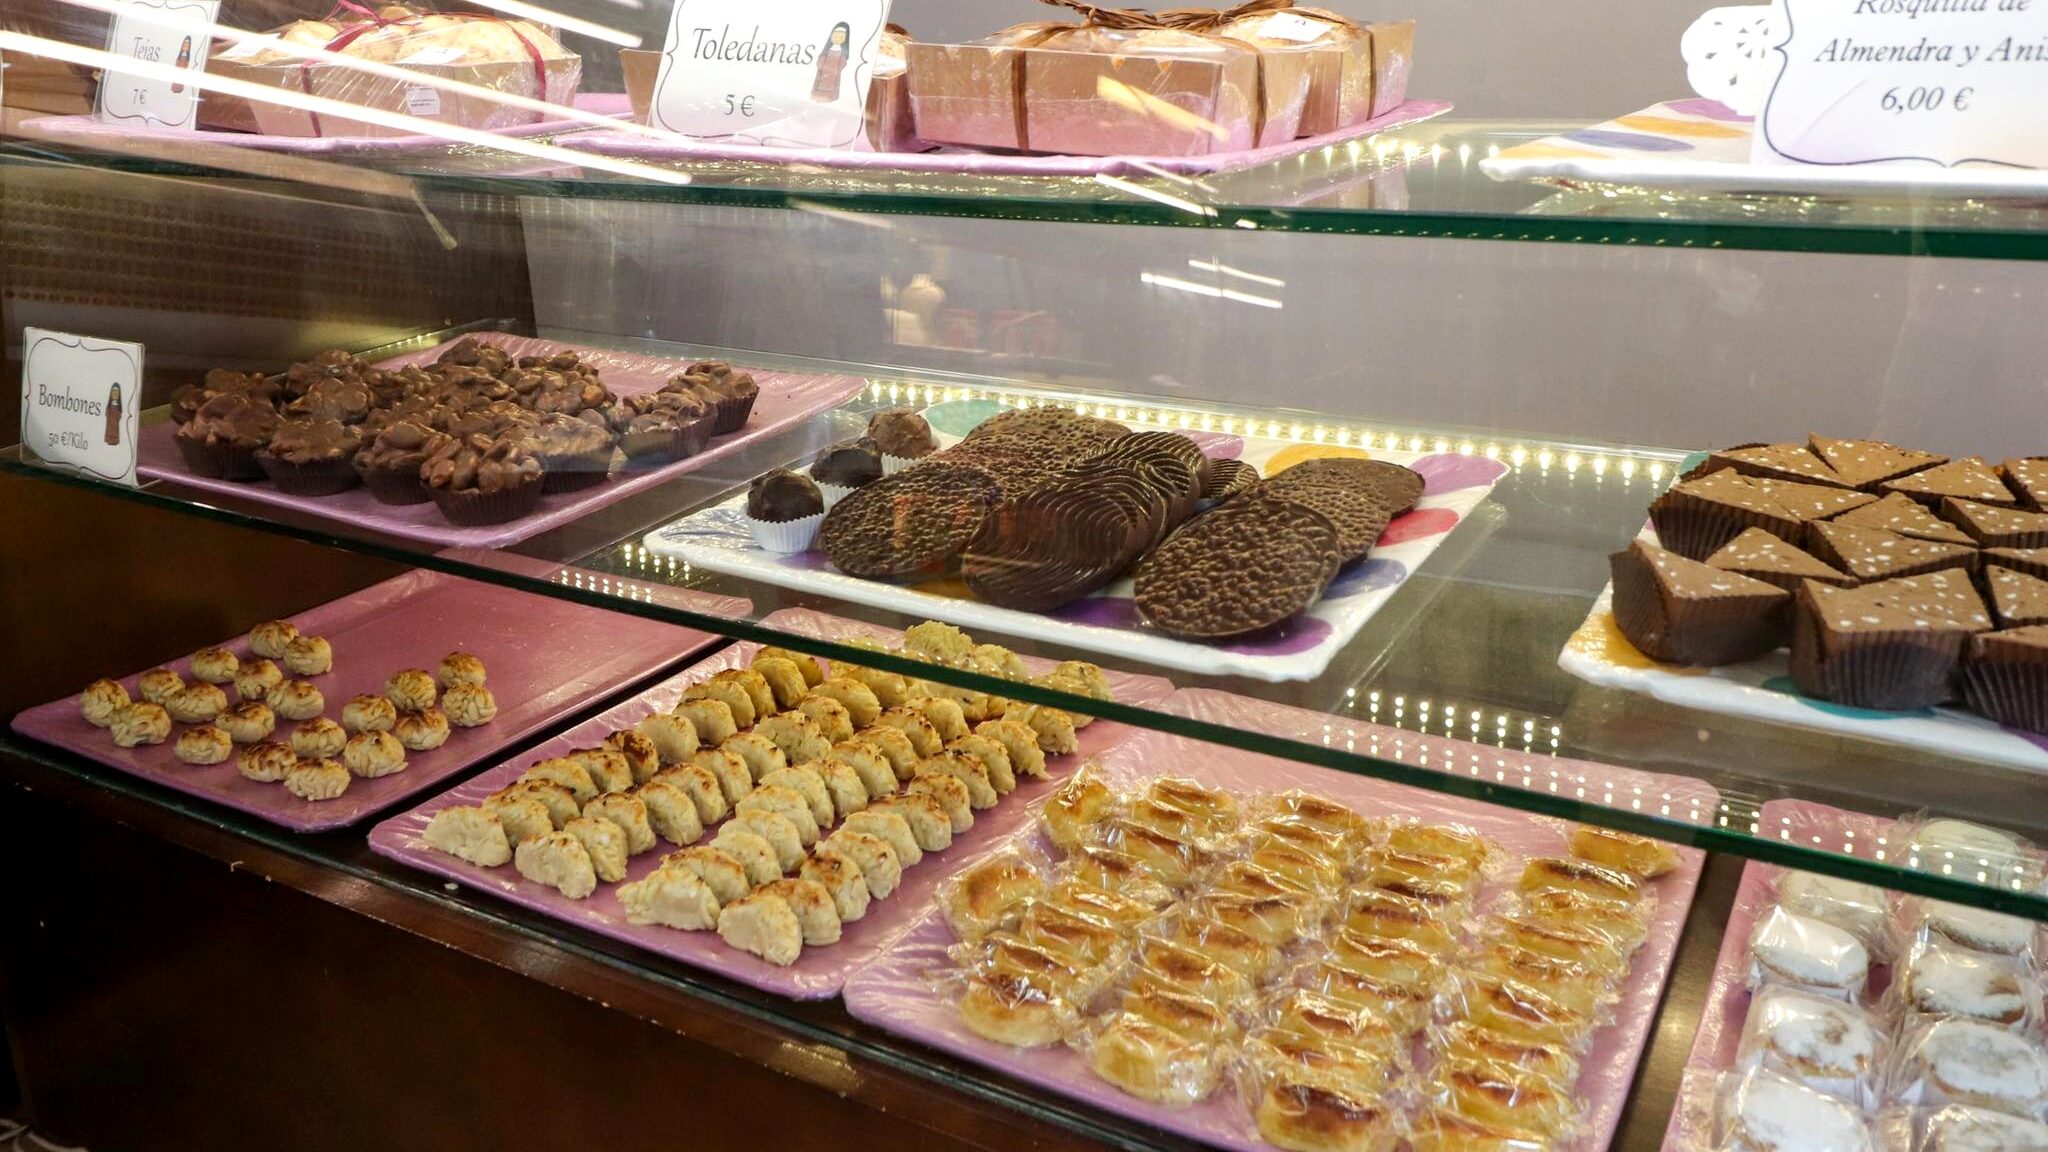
x: 1463, y: 657
x: 1422, y: 180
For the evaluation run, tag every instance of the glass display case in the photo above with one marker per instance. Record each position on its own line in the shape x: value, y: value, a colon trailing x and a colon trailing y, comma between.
x: 1626, y: 582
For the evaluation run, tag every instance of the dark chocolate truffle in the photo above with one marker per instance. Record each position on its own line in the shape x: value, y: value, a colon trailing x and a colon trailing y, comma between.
x: 902, y: 433
x: 849, y: 463
x: 783, y: 495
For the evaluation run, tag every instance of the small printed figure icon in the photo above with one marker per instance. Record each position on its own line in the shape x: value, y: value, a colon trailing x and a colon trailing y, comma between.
x: 184, y: 60
x: 114, y: 415
x: 831, y: 62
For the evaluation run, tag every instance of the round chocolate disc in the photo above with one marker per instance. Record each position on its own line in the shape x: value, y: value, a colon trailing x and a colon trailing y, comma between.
x: 1243, y: 568
x: 908, y: 524
x: 1400, y: 488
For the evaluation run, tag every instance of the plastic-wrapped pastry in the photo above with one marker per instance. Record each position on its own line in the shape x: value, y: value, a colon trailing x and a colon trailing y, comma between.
x: 158, y: 684
x: 1859, y: 909
x: 630, y: 813
x: 270, y: 638
x: 986, y: 895
x: 806, y: 783
x: 672, y: 896
x: 1243, y: 878
x: 1172, y: 862
x: 1013, y: 1010
x: 861, y: 704
x: 1515, y: 1009
x: 756, y: 855
x: 1327, y: 1021
x: 318, y: 738
x: 760, y: 754
x: 1938, y: 979
x: 764, y: 924
x: 215, y: 666
x: 927, y: 819
x: 316, y: 779
x: 735, y: 778
x: 1560, y: 874
x: 785, y: 680
x: 734, y: 696
x: 877, y: 860
x: 1188, y: 970
x: 755, y: 686
x: 840, y: 877
x: 460, y: 668
x: 1503, y: 1095
x: 556, y: 798
x: 674, y: 738
x: 1304, y: 1114
x: 780, y: 834
x: 1073, y: 936
x: 100, y: 700
x: 718, y: 869
x: 1397, y: 917
x: 1764, y: 1112
x: 266, y: 763
x: 607, y: 767
x: 1575, y: 985
x: 1550, y: 1061
x: 1826, y: 1045
x: 893, y: 745
x: 890, y: 826
x: 797, y: 735
x: 1638, y: 856
x: 373, y: 754
x: 1959, y: 846
x: 308, y: 656
x: 877, y: 778
x: 368, y: 714
x: 1274, y: 920
x: 951, y: 793
x: 701, y: 786
x: 468, y: 705
x: 924, y: 739
x: 1958, y: 1128
x: 1627, y: 925
x: 1075, y: 807
x: 843, y: 784
x: 296, y: 700
x: 604, y: 843
x: 944, y: 715
x: 1164, y: 819
x: 712, y: 720
x: 1434, y: 880
x: 1441, y: 1130
x: 1054, y: 727
x: 468, y: 833
x: 1188, y: 1017
x: 1214, y: 810
x: 671, y: 813
x: 1126, y: 910
x: 1325, y: 814
x: 1008, y: 954
x: 204, y: 744
x: 1269, y: 1053
x: 817, y: 917
x: 1785, y: 948
x: 196, y: 703
x: 412, y: 690
x: 1404, y: 1006
x: 1332, y: 847
x: 642, y: 758
x: 1020, y: 741
x: 1152, y: 1063
x: 1226, y: 944
x: 806, y: 666
x: 249, y: 723
x: 832, y: 719
x: 256, y: 678
x: 1393, y: 961
x: 1303, y: 868
x: 1972, y: 928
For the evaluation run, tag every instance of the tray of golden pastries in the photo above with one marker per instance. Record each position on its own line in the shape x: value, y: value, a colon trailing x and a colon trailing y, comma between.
x: 1254, y: 953
x: 766, y: 815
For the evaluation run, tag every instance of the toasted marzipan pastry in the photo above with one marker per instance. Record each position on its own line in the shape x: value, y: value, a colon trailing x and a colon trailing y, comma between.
x: 848, y: 794
x: 1303, y: 868
x: 257, y: 678
x: 734, y: 696
x: 832, y: 718
x: 671, y: 896
x: 266, y: 763
x: 1590, y: 946
x: 1503, y: 1095
x: 1376, y: 912
x: 755, y: 686
x: 1326, y: 1020
x: 1401, y: 962
x: 1246, y: 879
x: 983, y: 897
x: 936, y: 642
x: 607, y: 767
x: 949, y: 791
x: 316, y: 738
x: 308, y: 656
x: 1439, y: 1130
x: 764, y: 924
x: 755, y: 854
x: 993, y: 758
x: 785, y: 801
x: 797, y: 735
x: 877, y: 860
x: 316, y: 779
x: 295, y: 700
x: 1069, y: 934
x: 559, y: 861
x: 1625, y: 924
x: 1218, y: 810
x: 101, y: 699
x: 816, y: 915
x: 712, y: 720
x: 808, y: 784
x: 873, y: 768
x: 1227, y: 944
x: 974, y: 706
x: 785, y: 680
x: 270, y: 638
x: 860, y: 702
x: 702, y: 788
x: 557, y: 799
x: 1333, y: 847
x: 1549, y: 1061
x: 1020, y: 741
x: 1054, y: 727
x: 457, y: 668
x: 1170, y: 861
x: 760, y: 754
x: 198, y: 703
x: 891, y: 689
x: 927, y: 818
x: 158, y: 684
x: 732, y: 774
x: 204, y: 744
x: 1090, y: 676
x: 523, y: 817
x: 1123, y: 911
x: 249, y: 723
x: 1405, y: 1007
x: 892, y: 745
x: 1440, y: 840
x: 1575, y: 985
x: 1639, y: 856
x: 569, y: 774
x: 841, y: 877
x: 1516, y: 1009
x: 605, y: 844
x: 806, y: 666
x: 373, y: 754
x: 890, y: 826
x: 671, y: 812
x: 923, y: 737
x: 412, y: 690
x: 423, y: 731
x: 1301, y: 1114
x: 1285, y: 1054
x: 1075, y: 807
x: 778, y: 832
x: 674, y: 738
x: 1151, y: 1063
x: 1012, y: 1010
x: 1192, y: 970
x: 1109, y: 870
x: 1273, y: 920
x: 1188, y: 1017
x: 945, y: 715
x: 642, y: 757
x: 470, y: 834
x: 1560, y: 874
x: 368, y: 714
x: 720, y: 870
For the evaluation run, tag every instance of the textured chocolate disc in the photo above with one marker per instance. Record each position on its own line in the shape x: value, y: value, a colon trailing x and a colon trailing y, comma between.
x: 1158, y: 445
x: 905, y: 525
x: 1052, y: 426
x: 1061, y: 541
x: 1358, y: 515
x: 1228, y: 478
x: 1015, y: 467
x: 1242, y: 568
x: 1400, y: 488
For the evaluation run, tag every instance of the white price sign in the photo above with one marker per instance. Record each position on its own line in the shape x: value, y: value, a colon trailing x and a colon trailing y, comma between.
x: 1944, y: 82
x: 80, y: 403
x: 792, y: 73
x: 168, y: 32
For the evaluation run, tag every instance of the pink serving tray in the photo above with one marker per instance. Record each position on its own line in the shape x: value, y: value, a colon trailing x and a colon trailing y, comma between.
x: 86, y: 130
x: 820, y: 972
x: 962, y: 161
x: 546, y: 658
x: 786, y: 398
x: 894, y: 993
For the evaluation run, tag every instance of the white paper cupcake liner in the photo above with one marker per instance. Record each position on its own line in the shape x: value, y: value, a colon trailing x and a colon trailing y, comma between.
x: 786, y: 536
x: 834, y: 493
x: 894, y: 464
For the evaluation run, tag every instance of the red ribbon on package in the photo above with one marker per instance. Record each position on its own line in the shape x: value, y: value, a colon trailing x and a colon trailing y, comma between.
x: 372, y: 21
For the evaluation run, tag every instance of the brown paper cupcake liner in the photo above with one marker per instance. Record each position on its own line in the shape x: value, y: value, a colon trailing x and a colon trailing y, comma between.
x: 1693, y: 632
x: 395, y: 486
x: 1696, y: 529
x: 317, y: 478
x: 219, y: 461
x: 471, y: 508
x: 576, y: 471
x: 661, y: 446
x: 730, y: 414
x: 1888, y: 671
x: 2013, y: 694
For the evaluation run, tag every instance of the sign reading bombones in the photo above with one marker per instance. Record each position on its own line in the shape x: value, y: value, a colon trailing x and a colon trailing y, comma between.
x: 80, y: 402
x: 794, y: 72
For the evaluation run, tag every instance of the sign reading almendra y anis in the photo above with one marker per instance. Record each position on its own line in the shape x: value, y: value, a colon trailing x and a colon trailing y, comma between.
x: 793, y: 72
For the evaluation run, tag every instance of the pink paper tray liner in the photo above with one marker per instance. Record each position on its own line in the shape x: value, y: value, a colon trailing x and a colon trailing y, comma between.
x: 820, y: 972
x: 546, y: 659
x: 786, y: 399
x: 633, y: 146
x: 86, y: 129
x: 894, y: 993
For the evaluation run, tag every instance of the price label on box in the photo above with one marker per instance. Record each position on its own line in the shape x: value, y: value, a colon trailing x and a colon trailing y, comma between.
x: 171, y: 33
x: 1939, y: 82
x: 81, y: 399
x: 793, y: 73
